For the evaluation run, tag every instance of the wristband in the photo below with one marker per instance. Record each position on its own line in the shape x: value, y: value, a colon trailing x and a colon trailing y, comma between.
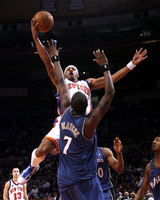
x: 130, y: 65
x: 55, y: 58
x: 105, y: 68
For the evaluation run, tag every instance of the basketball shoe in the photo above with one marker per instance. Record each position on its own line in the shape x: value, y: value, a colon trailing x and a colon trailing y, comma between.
x: 27, y: 173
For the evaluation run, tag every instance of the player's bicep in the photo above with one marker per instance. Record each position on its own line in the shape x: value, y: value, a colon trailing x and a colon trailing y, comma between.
x: 112, y: 161
x: 110, y: 157
x: 96, y: 83
x: 5, y: 191
x: 145, y: 185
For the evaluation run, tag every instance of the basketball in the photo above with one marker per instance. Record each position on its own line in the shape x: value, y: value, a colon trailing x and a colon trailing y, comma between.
x: 45, y: 21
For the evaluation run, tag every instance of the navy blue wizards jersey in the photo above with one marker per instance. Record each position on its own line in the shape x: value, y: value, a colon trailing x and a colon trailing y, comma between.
x: 154, y: 181
x: 77, y: 158
x: 103, y: 170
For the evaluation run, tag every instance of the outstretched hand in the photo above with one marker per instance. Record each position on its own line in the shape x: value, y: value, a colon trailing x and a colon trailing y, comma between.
x: 34, y: 28
x: 117, y: 145
x: 52, y: 48
x: 139, y: 56
x: 100, y: 57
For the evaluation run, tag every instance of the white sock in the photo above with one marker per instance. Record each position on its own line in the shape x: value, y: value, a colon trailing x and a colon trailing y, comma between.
x: 36, y: 160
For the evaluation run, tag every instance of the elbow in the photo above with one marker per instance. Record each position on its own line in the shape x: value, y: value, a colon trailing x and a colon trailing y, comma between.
x: 111, y: 93
x: 120, y: 169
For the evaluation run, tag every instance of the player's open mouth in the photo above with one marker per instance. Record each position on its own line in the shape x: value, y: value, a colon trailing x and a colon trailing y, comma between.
x: 153, y: 146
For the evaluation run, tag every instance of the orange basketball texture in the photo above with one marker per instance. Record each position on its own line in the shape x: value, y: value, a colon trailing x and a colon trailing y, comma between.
x: 45, y: 21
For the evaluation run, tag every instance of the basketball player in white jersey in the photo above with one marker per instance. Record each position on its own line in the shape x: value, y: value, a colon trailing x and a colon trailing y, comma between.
x: 50, y: 142
x: 13, y: 190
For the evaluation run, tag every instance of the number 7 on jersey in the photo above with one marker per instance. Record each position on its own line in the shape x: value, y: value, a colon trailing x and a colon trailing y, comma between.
x: 66, y: 147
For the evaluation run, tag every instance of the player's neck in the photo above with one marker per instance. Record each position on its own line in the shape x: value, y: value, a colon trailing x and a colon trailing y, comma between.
x: 157, y: 160
x: 15, y: 180
x: 73, y: 79
x: 74, y: 113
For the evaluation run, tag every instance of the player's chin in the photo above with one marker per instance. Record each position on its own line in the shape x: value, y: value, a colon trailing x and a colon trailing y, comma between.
x: 153, y: 149
x: 71, y: 77
x: 68, y: 75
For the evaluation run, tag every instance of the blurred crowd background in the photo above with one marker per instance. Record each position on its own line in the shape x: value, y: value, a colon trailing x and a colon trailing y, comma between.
x: 136, y: 126
x: 27, y: 102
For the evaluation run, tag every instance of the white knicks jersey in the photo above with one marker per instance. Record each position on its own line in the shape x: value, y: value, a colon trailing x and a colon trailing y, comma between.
x: 79, y: 86
x: 16, y: 191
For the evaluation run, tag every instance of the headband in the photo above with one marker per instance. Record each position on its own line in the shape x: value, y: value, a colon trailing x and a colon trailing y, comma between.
x: 73, y: 67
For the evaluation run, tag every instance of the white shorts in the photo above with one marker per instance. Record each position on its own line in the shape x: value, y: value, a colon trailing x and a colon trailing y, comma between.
x: 54, y: 135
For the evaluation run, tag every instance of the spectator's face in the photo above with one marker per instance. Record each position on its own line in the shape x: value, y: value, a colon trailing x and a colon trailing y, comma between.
x: 126, y: 194
x: 132, y: 196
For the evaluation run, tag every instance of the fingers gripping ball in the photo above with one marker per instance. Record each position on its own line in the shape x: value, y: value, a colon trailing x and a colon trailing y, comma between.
x: 45, y: 21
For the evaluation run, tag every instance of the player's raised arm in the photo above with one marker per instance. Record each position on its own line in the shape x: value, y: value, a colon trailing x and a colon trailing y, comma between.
x: 138, y: 57
x: 97, y: 113
x: 63, y: 91
x: 44, y: 55
x: 116, y: 163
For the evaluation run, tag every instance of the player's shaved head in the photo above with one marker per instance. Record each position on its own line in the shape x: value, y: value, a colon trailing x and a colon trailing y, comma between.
x: 79, y: 102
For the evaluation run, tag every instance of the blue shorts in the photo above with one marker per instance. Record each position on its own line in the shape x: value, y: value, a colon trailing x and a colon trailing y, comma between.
x: 109, y: 194
x: 86, y: 190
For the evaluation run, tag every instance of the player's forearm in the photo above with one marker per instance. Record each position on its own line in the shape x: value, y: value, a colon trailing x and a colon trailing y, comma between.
x: 109, y: 94
x: 59, y: 74
x: 41, y: 51
x: 120, y: 74
x: 63, y: 91
x: 100, y: 83
x: 26, y: 197
x: 141, y: 194
x: 120, y: 163
x: 109, y: 86
x: 46, y: 60
x: 5, y: 197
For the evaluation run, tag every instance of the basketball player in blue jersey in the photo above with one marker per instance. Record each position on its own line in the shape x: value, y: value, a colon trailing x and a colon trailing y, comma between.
x: 105, y: 159
x: 77, y: 170
x: 49, y: 143
x: 152, y: 174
